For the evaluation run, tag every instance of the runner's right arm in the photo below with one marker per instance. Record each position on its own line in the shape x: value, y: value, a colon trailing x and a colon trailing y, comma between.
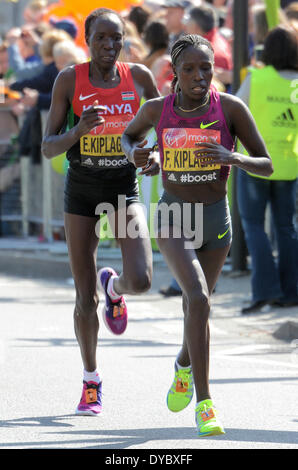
x: 54, y: 143
x: 133, y: 143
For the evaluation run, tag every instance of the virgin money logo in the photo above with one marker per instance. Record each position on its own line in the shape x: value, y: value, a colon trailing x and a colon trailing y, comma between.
x: 176, y: 138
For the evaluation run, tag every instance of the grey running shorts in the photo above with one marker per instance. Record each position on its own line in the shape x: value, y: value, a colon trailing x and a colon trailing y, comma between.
x: 207, y: 226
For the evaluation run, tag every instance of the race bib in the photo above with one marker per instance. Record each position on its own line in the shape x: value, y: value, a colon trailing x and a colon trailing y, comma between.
x: 179, y: 162
x: 101, y: 148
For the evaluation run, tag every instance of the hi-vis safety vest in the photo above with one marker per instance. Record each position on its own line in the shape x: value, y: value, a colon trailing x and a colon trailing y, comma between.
x: 276, y: 116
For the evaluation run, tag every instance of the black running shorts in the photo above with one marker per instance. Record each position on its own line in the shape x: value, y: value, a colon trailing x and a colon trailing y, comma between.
x: 82, y: 194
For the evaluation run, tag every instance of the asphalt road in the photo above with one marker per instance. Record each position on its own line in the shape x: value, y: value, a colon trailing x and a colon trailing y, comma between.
x: 253, y: 376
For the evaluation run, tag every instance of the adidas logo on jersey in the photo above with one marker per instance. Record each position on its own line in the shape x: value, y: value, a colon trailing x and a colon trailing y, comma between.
x: 285, y: 119
x: 88, y: 162
x: 172, y: 177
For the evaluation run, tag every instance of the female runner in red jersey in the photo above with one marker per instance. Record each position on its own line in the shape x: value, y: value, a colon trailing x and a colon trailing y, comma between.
x: 98, y: 99
x: 196, y: 128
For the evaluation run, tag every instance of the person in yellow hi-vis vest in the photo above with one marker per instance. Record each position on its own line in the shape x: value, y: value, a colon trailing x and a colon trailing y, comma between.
x: 272, y: 98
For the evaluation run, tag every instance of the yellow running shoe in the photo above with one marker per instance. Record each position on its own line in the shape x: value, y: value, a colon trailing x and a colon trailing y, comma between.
x: 207, y: 421
x: 181, y: 391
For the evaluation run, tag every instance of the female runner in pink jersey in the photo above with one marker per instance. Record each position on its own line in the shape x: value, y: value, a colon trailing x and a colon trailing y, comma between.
x: 196, y: 128
x: 98, y: 99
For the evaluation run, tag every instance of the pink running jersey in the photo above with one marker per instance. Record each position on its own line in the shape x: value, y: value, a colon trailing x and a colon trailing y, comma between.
x: 178, y: 135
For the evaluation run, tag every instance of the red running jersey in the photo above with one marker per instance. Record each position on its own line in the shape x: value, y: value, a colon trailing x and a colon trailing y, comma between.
x: 100, y: 149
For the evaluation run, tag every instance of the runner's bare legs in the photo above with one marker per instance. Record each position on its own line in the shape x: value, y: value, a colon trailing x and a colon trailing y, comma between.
x: 211, y: 262
x: 82, y: 245
x: 134, y: 241
x: 136, y: 277
x: 187, y: 269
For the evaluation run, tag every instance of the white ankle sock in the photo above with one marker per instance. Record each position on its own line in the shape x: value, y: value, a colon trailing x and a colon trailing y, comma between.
x: 197, y: 404
x: 91, y: 376
x: 110, y: 289
x: 178, y: 366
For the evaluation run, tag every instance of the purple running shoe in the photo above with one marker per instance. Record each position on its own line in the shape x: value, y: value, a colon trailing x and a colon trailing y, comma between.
x: 114, y: 312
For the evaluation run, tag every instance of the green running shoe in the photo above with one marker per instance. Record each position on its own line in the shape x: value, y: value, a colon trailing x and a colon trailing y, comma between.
x: 181, y: 391
x: 207, y: 421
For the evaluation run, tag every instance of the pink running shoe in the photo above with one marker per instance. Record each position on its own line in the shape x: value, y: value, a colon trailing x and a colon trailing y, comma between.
x: 114, y: 312
x: 90, y: 404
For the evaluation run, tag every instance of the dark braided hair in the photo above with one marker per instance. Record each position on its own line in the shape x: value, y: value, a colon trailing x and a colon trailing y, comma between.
x: 182, y: 43
x: 96, y: 14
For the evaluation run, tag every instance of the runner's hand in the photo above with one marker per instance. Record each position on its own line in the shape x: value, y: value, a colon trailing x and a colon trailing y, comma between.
x: 215, y: 153
x: 141, y: 156
x: 90, y: 119
x: 152, y: 168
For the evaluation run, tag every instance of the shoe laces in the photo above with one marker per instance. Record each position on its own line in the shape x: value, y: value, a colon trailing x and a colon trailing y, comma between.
x: 118, y: 310
x: 205, y: 412
x: 183, y: 380
x: 92, y: 392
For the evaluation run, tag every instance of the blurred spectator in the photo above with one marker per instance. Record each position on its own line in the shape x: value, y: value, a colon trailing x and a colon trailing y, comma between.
x: 175, y: 10
x: 34, y: 11
x: 286, y: 3
x: 291, y: 13
x: 139, y: 16
x: 65, y: 53
x: 229, y: 22
x: 267, y: 91
x: 156, y: 38
x: 131, y: 29
x: 23, y: 55
x: 259, y: 29
x: 218, y: 3
x: 9, y: 165
x: 220, y: 7
x: 8, y: 127
x: 37, y: 93
x: 21, y: 66
x: 202, y: 20
x: 4, y: 63
x: 158, y: 60
x: 44, y: 81
x: 66, y: 24
x: 134, y: 49
x: 256, y: 20
x: 259, y: 23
